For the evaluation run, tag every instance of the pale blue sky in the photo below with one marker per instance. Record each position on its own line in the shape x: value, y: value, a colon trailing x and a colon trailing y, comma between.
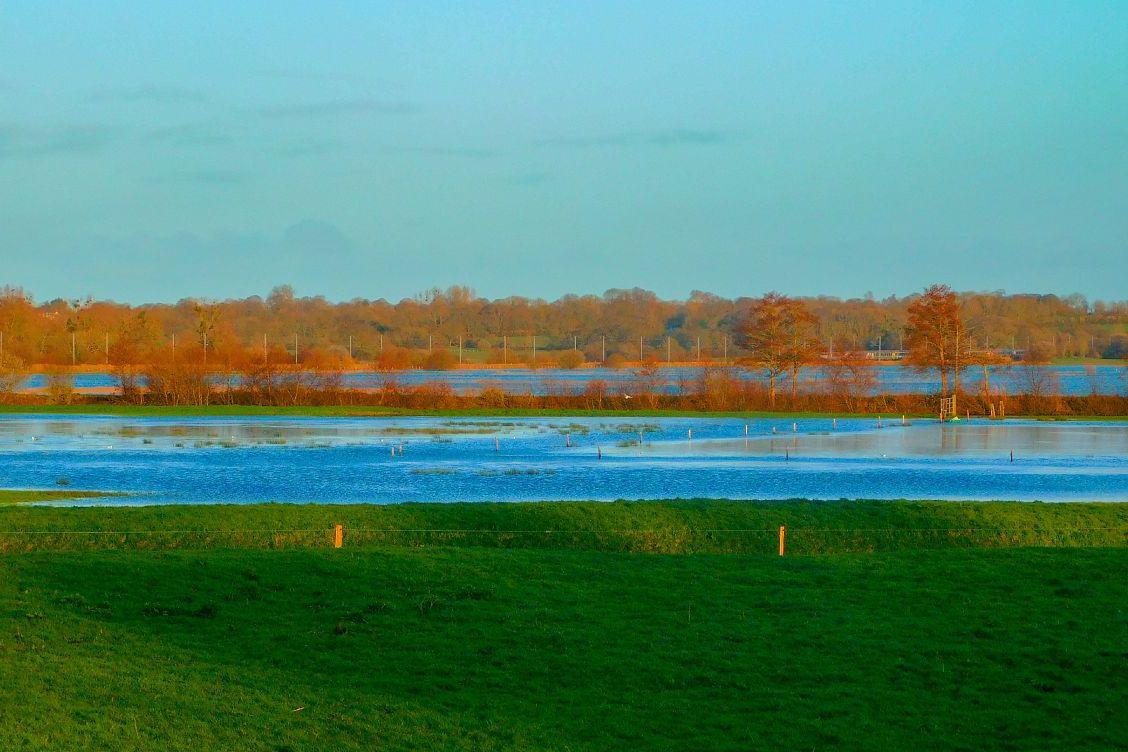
x: 150, y: 151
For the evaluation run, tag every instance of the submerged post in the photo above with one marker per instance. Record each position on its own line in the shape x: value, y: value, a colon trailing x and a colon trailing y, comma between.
x: 339, y: 537
x: 782, y: 539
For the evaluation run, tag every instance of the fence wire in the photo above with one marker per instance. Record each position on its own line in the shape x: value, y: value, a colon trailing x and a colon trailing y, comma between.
x: 799, y: 540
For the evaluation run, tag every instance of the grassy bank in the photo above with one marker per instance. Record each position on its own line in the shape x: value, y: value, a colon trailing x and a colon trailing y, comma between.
x: 561, y: 649
x: 667, y: 527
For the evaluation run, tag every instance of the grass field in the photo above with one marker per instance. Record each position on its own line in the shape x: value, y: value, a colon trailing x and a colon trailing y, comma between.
x: 558, y: 641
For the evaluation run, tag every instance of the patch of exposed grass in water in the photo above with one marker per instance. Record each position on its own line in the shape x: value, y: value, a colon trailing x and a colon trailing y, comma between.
x: 20, y: 496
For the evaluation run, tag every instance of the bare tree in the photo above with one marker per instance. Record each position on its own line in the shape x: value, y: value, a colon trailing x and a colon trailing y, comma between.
x: 781, y: 336
x: 936, y: 336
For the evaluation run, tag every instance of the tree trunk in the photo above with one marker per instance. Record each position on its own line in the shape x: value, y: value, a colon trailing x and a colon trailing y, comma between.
x: 771, y: 389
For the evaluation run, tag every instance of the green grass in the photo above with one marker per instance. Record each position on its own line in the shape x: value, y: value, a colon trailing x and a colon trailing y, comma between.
x: 672, y: 527
x: 564, y: 641
x: 17, y: 496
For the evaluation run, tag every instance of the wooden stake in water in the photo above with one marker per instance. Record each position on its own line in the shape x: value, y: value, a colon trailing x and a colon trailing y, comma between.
x: 1012, y: 455
x: 497, y: 444
x: 338, y: 536
x: 782, y: 539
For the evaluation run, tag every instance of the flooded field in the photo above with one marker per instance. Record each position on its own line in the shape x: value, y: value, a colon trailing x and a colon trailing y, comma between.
x: 891, y: 379
x: 391, y: 460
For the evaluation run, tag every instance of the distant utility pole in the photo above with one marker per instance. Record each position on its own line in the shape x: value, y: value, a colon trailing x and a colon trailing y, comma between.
x: 381, y: 343
x: 699, y: 349
x: 726, y: 349
x: 429, y: 338
x: 350, y: 347
x: 575, y: 342
x: 534, y: 348
x: 460, y: 349
x: 667, y: 350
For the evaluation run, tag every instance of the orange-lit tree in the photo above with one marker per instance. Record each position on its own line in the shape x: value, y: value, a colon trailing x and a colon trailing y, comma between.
x: 937, y: 338
x: 780, y: 335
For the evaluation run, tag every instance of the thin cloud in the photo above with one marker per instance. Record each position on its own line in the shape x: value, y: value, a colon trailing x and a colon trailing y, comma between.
x: 156, y: 93
x: 205, y: 177
x: 527, y: 179
x: 308, y: 147
x: 448, y: 151
x: 675, y: 137
x: 338, y: 107
x: 192, y: 134
x: 69, y: 139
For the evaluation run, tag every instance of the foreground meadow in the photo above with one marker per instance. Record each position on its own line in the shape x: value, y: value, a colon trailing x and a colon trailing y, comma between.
x: 554, y: 631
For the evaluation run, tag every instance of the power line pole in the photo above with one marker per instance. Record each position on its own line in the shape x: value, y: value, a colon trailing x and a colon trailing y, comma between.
x: 460, y: 349
x: 350, y: 347
x: 534, y: 348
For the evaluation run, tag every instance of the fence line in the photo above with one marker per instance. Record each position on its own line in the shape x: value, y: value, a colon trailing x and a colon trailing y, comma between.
x: 588, y: 531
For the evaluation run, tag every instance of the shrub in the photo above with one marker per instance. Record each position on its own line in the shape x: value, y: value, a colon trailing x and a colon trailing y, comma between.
x: 570, y: 359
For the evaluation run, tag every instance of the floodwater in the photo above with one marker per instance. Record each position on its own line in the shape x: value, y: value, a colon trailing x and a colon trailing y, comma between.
x: 890, y: 379
x: 391, y: 460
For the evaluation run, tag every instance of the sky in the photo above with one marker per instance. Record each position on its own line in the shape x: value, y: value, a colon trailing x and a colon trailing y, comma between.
x: 161, y: 150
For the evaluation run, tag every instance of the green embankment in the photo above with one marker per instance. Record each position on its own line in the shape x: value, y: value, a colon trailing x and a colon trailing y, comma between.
x: 672, y: 527
x: 565, y: 643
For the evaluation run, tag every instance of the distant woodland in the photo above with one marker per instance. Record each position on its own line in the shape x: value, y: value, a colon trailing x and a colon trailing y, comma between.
x: 627, y: 325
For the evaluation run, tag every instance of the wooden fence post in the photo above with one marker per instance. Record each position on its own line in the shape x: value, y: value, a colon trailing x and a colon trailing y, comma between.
x: 782, y: 539
x: 338, y: 536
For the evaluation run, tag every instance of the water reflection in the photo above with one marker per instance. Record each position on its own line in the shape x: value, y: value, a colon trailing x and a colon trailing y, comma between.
x: 387, y: 460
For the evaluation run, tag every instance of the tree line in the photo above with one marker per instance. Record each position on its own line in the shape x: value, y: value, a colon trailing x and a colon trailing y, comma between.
x: 436, y: 327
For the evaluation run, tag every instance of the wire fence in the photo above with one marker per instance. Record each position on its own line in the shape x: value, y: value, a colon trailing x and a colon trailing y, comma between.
x: 671, y: 540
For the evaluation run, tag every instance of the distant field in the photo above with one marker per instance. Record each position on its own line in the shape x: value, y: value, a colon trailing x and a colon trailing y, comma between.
x: 361, y: 411
x: 110, y: 408
x: 574, y: 640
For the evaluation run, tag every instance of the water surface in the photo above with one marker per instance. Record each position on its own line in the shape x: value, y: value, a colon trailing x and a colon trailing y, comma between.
x: 390, y: 460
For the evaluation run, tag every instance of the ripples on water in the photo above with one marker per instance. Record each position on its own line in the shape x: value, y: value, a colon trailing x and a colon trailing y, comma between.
x: 243, y: 460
